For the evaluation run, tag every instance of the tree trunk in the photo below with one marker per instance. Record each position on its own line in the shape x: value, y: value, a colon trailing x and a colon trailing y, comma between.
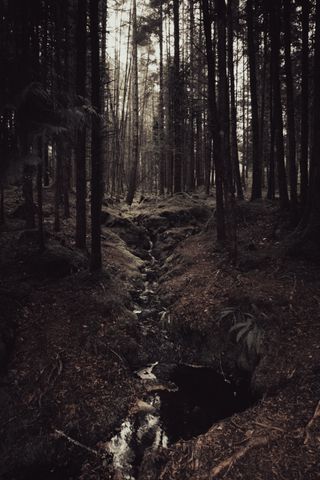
x: 190, y: 177
x: 161, y: 108
x: 304, y: 155
x: 309, y: 227
x: 58, y: 187
x: 290, y: 111
x: 223, y: 98
x: 28, y: 196
x: 256, y: 157
x: 96, y: 144
x: 177, y: 100
x: 214, y: 123
x: 2, y: 214
x: 274, y: 9
x: 135, y: 110
x: 233, y: 120
x: 81, y: 189
x: 271, y: 173
x: 40, y: 208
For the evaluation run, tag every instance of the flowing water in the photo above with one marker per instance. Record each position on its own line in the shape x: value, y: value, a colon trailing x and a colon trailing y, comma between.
x: 188, y: 405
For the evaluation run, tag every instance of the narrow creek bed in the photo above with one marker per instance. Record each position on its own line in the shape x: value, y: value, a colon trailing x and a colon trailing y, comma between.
x: 182, y: 404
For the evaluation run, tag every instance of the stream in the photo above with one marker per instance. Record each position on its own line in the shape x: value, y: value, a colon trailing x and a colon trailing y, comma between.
x: 185, y: 406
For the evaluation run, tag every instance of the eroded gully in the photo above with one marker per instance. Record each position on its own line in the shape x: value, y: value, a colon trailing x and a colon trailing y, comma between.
x: 180, y: 405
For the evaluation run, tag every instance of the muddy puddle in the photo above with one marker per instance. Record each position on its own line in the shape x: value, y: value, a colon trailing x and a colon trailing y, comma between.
x: 184, y: 407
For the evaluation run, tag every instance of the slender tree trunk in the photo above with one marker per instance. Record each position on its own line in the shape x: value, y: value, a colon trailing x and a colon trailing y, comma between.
x: 96, y: 140
x: 135, y: 108
x: 177, y: 100
x: 262, y: 126
x: 81, y: 175
x: 271, y: 173
x: 310, y: 222
x: 252, y: 52
x: 28, y: 196
x: 214, y: 123
x: 2, y: 214
x: 58, y: 188
x: 161, y: 108
x: 291, y: 127
x: 40, y: 208
x: 304, y: 155
x: 223, y: 97
x: 190, y: 179
x: 46, y: 177
x: 277, y: 101
x: 233, y: 122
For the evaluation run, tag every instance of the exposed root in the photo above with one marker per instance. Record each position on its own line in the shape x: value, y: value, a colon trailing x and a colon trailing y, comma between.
x: 271, y: 427
x: 229, y: 462
x: 309, y: 436
x: 78, y: 444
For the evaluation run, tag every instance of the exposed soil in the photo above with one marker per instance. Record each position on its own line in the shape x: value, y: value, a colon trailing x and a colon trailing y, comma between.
x: 71, y: 342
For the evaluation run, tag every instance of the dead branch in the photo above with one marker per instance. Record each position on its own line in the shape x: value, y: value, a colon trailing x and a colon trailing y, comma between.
x: 118, y: 356
x: 229, y: 462
x: 78, y: 444
x: 316, y: 415
x: 271, y: 427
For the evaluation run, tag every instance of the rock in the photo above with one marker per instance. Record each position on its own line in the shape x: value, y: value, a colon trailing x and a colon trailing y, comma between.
x: 153, y: 222
x: 142, y: 406
x: 135, y: 236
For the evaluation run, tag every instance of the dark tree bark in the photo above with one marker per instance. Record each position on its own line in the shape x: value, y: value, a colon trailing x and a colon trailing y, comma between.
x: 161, y: 106
x: 271, y: 172
x: 2, y: 214
x: 40, y: 207
x: 177, y: 100
x: 256, y: 152
x: 96, y: 145
x: 223, y: 97
x: 58, y: 187
x: 304, y: 155
x: 291, y: 127
x: 311, y: 220
x: 233, y: 107
x: 135, y: 110
x: 191, y: 163
x: 28, y: 196
x: 274, y: 9
x: 81, y: 213
x: 46, y: 176
x: 214, y: 123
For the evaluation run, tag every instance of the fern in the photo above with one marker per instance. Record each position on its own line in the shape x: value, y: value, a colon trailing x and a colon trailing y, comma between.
x: 246, y: 329
x: 249, y: 333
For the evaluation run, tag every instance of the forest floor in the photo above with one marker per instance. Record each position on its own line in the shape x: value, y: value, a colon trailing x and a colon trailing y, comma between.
x: 71, y: 342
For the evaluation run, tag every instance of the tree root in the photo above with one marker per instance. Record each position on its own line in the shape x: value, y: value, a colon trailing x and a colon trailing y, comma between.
x: 316, y: 415
x: 229, y: 462
x: 78, y: 444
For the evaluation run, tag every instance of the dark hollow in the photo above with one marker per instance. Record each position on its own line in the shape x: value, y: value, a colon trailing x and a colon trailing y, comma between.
x: 204, y: 397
